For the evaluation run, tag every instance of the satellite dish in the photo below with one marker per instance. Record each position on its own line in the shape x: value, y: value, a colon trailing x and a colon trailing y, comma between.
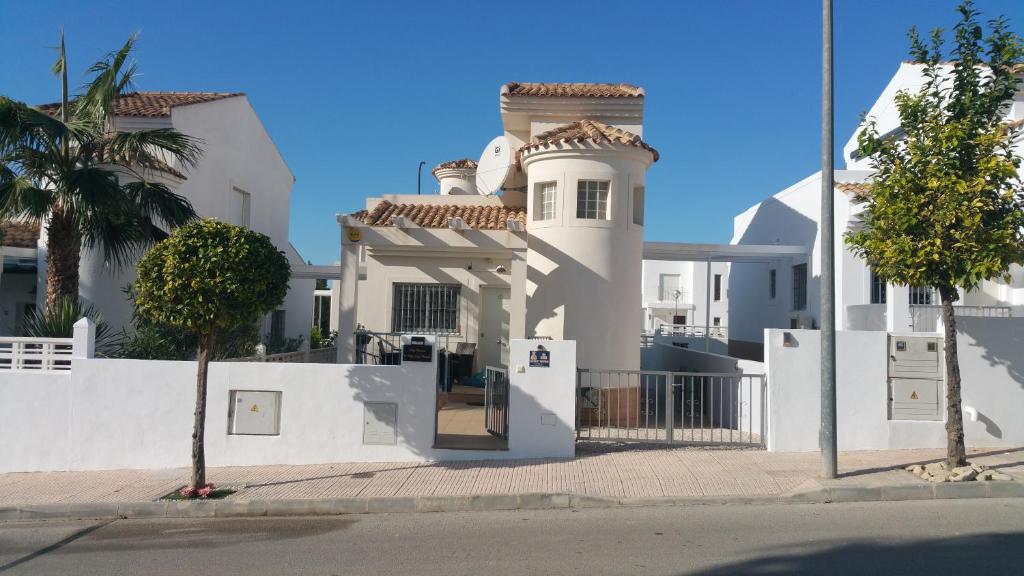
x: 494, y: 166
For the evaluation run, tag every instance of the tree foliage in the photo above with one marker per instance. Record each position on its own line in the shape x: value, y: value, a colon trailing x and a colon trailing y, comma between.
x: 945, y: 207
x: 93, y: 186
x: 209, y: 276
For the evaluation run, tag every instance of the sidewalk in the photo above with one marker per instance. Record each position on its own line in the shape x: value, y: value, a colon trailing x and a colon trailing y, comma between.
x: 613, y: 474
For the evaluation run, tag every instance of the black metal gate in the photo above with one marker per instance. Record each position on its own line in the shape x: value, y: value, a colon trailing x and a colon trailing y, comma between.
x: 496, y: 402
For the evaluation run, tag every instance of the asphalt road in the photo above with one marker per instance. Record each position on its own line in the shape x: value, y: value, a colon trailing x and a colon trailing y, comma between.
x: 927, y: 537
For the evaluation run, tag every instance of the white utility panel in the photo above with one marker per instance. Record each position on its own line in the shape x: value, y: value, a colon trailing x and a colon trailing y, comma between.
x: 254, y: 412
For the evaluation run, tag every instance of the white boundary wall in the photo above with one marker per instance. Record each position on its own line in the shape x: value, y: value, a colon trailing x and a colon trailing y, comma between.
x: 111, y: 414
x: 992, y: 368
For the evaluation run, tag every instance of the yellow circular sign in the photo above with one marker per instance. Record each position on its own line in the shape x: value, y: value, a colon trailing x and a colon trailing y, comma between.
x: 355, y: 234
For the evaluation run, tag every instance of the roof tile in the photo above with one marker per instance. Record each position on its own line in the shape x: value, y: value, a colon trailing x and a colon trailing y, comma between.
x: 154, y: 104
x: 572, y: 89
x: 583, y: 130
x: 460, y: 164
x: 487, y: 217
x: 19, y: 234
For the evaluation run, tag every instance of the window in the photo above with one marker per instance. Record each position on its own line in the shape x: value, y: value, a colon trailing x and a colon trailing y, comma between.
x: 717, y: 321
x: 241, y: 207
x: 922, y: 295
x: 668, y: 287
x: 679, y: 320
x: 544, y: 201
x: 592, y: 199
x: 877, y: 289
x: 771, y: 283
x: 800, y: 287
x: 638, y: 205
x: 425, y: 308
x: 718, y: 287
x: 277, y: 325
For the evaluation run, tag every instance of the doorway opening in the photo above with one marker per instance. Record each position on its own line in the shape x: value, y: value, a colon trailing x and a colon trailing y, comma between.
x: 473, y: 413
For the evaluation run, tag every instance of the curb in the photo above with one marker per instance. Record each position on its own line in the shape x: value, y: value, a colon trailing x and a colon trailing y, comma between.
x: 485, y: 502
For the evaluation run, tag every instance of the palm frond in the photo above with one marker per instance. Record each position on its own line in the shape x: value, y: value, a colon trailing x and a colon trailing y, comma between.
x: 159, y: 203
x: 110, y: 80
x: 146, y: 148
x: 20, y: 198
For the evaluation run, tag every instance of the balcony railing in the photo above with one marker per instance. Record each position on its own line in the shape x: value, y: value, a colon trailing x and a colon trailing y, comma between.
x: 692, y: 330
x: 925, y: 318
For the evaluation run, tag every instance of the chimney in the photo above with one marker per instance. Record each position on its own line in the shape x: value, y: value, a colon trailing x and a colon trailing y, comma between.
x: 457, y: 177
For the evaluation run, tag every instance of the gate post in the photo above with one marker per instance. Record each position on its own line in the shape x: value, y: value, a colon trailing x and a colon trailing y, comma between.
x: 670, y: 406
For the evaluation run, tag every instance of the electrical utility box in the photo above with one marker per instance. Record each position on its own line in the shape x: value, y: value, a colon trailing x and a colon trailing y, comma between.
x: 255, y: 412
x: 915, y: 378
x: 380, y: 423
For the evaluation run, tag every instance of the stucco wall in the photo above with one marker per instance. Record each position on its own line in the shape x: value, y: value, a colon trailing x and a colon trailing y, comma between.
x: 584, y: 276
x: 108, y: 414
x: 991, y: 351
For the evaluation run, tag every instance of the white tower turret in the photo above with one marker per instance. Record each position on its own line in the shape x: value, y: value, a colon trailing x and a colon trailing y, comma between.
x: 585, y: 187
x: 456, y: 176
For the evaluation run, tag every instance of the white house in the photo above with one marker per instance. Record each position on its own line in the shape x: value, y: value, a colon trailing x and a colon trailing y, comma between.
x: 676, y: 295
x: 785, y: 293
x: 555, y: 254
x: 241, y: 179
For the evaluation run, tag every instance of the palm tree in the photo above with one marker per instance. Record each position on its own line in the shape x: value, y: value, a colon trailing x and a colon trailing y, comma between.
x: 69, y: 169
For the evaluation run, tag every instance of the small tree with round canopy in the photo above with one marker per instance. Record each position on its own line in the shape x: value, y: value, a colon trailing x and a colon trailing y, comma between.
x: 946, y: 203
x: 209, y: 277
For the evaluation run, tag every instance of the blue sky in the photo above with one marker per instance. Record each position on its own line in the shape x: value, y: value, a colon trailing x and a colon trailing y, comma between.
x: 356, y: 94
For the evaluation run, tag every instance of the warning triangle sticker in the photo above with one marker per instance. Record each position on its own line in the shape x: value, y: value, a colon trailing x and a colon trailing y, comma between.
x: 913, y: 395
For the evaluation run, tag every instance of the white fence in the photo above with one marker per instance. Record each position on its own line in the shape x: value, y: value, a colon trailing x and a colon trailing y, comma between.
x: 927, y: 318
x: 327, y: 355
x: 35, y: 354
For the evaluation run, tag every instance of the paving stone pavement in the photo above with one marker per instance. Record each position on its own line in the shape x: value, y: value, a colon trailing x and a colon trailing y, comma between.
x: 602, y: 470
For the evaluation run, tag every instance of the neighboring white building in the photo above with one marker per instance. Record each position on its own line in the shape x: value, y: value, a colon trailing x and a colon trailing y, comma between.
x: 556, y: 255
x: 676, y: 294
x: 786, y: 293
x: 241, y: 179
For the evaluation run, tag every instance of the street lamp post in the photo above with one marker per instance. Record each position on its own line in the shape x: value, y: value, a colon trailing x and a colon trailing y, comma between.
x: 419, y: 176
x: 828, y: 440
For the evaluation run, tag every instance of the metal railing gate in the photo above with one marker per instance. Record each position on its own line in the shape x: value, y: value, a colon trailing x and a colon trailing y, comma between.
x: 684, y: 407
x: 496, y: 401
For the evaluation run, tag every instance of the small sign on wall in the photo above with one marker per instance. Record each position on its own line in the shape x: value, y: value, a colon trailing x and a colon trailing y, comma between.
x: 540, y: 358
x: 417, y: 350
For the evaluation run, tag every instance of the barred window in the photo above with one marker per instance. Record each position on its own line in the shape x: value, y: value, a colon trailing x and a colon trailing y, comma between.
x: 800, y: 287
x: 425, y: 308
x: 922, y: 296
x: 544, y: 201
x: 771, y: 283
x: 878, y: 292
x: 592, y: 199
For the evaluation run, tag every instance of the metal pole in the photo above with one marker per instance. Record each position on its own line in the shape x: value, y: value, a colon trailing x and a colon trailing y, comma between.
x: 828, y: 441
x: 419, y: 176
x: 707, y: 307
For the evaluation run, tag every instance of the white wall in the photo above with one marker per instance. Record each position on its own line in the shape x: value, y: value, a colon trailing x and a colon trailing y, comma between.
x: 110, y: 414
x: 542, y: 406
x: 991, y: 352
x: 692, y: 301
x: 584, y: 276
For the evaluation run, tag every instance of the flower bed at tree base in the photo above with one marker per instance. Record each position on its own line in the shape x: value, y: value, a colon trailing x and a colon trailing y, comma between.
x: 206, y: 492
x: 940, y: 472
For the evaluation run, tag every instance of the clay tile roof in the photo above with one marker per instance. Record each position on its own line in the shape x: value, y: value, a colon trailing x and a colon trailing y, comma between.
x: 154, y: 104
x: 19, y: 234
x: 572, y: 89
x: 490, y: 217
x: 583, y: 130
x: 860, y: 191
x: 460, y: 164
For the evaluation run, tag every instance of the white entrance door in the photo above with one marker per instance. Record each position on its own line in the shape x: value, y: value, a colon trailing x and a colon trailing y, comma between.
x: 494, y: 326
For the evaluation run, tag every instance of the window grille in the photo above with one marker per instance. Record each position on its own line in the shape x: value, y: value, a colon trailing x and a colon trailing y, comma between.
x: 544, y: 201
x: 592, y: 199
x: 800, y: 287
x: 425, y: 308
x: 878, y: 291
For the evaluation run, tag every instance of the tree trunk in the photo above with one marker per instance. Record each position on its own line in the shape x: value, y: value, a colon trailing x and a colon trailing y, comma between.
x: 199, y: 427
x: 956, y: 453
x: 64, y: 252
